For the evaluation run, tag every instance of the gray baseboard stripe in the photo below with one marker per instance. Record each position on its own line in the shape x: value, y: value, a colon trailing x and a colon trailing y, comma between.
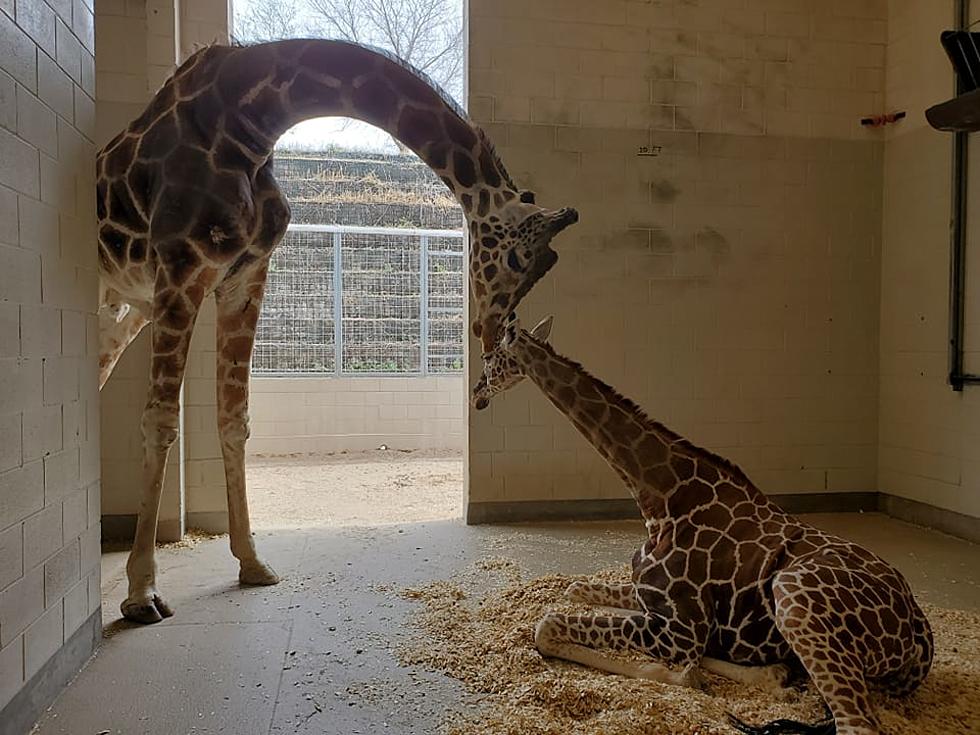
x: 827, y: 502
x: 524, y: 511
x: 210, y: 521
x: 123, y: 527
x: 119, y: 527
x: 619, y: 509
x: 923, y: 514
x: 20, y: 714
x: 539, y: 511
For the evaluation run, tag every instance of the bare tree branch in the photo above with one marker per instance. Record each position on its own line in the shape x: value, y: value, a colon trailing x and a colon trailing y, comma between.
x: 267, y: 20
x: 426, y: 33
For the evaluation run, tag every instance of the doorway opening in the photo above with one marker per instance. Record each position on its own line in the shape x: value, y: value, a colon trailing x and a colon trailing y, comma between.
x: 357, y: 406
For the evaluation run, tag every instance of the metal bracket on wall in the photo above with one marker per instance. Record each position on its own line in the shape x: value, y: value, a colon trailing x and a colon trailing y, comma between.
x: 961, y: 115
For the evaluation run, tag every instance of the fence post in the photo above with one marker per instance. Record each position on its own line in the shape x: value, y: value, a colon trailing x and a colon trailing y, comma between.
x: 338, y: 306
x: 424, y: 303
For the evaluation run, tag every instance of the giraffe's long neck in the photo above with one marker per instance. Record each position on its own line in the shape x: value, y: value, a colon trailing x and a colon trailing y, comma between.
x: 276, y: 85
x: 610, y: 422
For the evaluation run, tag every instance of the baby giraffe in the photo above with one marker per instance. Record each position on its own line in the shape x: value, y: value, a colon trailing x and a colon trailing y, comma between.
x: 726, y: 581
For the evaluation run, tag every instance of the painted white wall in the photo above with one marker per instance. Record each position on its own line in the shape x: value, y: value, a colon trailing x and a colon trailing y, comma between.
x: 303, y: 415
x: 730, y: 284
x: 928, y: 434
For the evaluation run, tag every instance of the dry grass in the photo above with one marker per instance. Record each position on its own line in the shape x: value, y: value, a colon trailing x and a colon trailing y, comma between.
x: 370, y: 189
x: 478, y: 628
x: 379, y: 195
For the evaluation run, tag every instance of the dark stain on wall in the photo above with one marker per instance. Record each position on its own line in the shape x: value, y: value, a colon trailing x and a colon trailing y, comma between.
x: 664, y: 191
x: 713, y: 241
x: 660, y: 241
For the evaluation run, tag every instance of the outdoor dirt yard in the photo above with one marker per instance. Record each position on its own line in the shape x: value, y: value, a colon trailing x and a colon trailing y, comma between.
x: 377, y: 487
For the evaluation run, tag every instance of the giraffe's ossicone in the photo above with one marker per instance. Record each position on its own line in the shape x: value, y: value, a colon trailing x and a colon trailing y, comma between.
x: 726, y: 581
x: 188, y: 206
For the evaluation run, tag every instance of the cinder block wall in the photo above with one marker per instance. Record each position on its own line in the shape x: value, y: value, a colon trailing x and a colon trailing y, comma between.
x: 137, y: 51
x: 730, y: 284
x: 49, y: 406
x: 141, y: 42
x: 203, y: 22
x: 337, y: 414
x: 929, y: 434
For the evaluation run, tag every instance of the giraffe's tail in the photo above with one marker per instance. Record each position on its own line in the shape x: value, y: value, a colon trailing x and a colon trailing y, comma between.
x: 826, y: 726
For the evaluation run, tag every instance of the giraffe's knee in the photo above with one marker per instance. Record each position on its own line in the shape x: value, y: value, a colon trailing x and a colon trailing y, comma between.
x: 160, y: 426
x: 578, y: 590
x: 546, y: 634
x: 233, y: 428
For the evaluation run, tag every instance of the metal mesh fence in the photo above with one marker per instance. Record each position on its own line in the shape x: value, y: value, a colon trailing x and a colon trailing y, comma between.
x: 295, y: 333
x: 398, y: 295
x: 446, y: 292
x: 381, y: 304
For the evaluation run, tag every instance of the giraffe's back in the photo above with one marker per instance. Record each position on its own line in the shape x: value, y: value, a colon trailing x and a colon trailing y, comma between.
x: 183, y: 187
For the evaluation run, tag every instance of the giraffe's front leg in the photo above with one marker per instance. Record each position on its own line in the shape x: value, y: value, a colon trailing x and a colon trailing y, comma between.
x: 573, y: 638
x: 238, y: 313
x: 173, y: 323
x: 144, y: 604
x: 620, y: 597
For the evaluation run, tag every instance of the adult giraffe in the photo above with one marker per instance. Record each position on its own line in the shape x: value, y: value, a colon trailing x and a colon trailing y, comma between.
x: 188, y: 206
x: 726, y: 581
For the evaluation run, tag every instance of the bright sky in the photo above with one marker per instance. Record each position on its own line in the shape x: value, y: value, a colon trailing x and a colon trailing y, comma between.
x: 326, y: 132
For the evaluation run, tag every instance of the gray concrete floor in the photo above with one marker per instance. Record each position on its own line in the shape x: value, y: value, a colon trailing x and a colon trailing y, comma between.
x: 315, y: 653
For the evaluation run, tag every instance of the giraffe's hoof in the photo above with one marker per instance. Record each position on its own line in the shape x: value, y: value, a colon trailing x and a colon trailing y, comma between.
x: 776, y: 677
x: 257, y: 573
x: 146, y: 611
x: 692, y: 677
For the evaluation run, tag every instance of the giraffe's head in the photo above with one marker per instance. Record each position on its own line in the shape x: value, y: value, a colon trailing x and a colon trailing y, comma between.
x: 502, y: 369
x: 511, y: 250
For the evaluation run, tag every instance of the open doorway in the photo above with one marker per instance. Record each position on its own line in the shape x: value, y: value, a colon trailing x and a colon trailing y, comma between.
x: 358, y: 396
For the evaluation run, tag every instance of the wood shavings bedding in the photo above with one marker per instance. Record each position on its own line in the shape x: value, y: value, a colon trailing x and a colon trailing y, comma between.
x: 478, y: 628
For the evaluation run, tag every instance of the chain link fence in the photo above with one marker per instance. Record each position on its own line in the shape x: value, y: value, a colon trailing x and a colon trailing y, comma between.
x: 344, y: 300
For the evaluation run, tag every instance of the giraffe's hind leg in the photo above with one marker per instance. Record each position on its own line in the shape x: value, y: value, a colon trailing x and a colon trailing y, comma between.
x: 238, y: 303
x: 571, y: 637
x: 831, y: 642
x: 119, y: 325
x: 770, y: 677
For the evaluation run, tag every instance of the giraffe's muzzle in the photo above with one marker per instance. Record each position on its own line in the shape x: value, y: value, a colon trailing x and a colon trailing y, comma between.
x: 563, y: 218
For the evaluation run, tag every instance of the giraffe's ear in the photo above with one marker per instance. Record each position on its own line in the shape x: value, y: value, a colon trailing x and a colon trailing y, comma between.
x: 542, y: 329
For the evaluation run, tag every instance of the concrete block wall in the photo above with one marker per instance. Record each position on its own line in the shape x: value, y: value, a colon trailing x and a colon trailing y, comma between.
x: 136, y: 39
x: 730, y: 284
x: 144, y: 41
x: 929, y: 434
x: 352, y: 414
x: 202, y: 23
x: 49, y: 407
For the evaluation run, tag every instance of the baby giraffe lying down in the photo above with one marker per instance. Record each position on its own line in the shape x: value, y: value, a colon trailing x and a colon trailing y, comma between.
x: 726, y: 582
